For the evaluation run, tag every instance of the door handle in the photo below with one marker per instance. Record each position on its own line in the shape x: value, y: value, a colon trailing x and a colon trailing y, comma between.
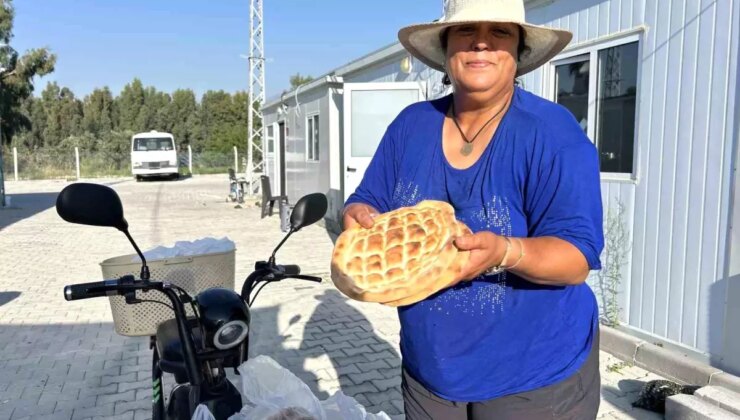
x: 351, y: 169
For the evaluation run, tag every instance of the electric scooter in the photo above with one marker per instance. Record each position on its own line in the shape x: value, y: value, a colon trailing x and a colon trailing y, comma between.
x: 198, y: 349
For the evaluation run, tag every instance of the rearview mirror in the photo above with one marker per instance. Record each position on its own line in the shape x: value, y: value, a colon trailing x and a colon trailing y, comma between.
x: 91, y: 204
x: 308, y: 210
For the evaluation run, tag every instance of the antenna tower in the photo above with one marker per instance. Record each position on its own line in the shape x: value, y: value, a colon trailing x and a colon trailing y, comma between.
x: 256, y: 93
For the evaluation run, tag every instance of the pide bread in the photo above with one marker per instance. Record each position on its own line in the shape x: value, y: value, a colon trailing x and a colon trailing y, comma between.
x: 405, y: 257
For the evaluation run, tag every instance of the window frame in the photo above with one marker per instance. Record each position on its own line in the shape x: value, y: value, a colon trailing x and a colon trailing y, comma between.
x: 314, y: 118
x: 592, y: 49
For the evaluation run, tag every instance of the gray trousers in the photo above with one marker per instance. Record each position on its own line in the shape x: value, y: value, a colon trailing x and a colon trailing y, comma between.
x: 577, y: 397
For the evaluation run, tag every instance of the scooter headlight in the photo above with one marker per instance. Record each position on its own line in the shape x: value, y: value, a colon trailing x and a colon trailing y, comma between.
x: 224, y: 317
x: 230, y: 334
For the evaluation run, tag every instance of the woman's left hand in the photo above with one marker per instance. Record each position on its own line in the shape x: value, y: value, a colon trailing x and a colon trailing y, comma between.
x: 486, y: 250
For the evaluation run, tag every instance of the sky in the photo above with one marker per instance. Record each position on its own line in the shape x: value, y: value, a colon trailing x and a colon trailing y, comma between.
x: 171, y: 44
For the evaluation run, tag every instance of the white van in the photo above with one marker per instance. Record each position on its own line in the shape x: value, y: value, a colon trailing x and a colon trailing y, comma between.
x: 153, y: 154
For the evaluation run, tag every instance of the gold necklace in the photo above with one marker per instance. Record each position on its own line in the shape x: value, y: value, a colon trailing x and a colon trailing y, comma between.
x: 467, y: 148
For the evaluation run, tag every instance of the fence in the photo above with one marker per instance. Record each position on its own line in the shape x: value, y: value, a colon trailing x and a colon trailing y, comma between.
x: 78, y: 163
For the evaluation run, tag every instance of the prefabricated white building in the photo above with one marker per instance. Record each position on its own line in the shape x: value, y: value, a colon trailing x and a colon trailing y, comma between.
x: 654, y: 84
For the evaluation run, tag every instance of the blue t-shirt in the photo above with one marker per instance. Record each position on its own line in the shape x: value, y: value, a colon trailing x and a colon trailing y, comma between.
x: 539, y: 176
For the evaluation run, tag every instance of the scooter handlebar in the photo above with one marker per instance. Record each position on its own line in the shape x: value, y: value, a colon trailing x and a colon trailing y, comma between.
x: 108, y: 288
x: 290, y: 270
x: 309, y: 278
x: 91, y: 290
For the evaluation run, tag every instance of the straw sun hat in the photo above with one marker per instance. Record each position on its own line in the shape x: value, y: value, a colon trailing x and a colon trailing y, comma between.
x: 423, y: 40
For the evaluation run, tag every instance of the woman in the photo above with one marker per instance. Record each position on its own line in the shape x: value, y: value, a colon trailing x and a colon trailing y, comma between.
x: 518, y: 338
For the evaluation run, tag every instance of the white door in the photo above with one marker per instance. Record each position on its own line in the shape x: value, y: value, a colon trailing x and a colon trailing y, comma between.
x: 368, y: 110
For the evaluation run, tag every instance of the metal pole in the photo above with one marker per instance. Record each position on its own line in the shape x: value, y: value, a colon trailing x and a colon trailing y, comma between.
x: 190, y: 159
x: 2, y: 166
x: 15, y: 162
x: 77, y: 161
x: 236, y: 161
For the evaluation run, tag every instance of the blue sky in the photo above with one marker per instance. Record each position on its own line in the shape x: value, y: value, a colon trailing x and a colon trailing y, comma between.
x: 173, y: 44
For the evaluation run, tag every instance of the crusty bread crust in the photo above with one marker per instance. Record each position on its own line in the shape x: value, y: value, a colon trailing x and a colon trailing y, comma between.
x: 405, y: 257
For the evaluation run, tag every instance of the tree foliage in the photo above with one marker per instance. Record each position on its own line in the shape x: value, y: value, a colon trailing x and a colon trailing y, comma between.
x: 16, y: 78
x: 297, y: 80
x: 57, y: 118
x: 103, y: 121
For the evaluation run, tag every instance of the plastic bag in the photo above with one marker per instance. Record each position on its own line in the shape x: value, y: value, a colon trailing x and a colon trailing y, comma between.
x: 201, y: 246
x: 270, y: 388
x: 343, y: 407
x: 202, y: 413
x: 275, y: 393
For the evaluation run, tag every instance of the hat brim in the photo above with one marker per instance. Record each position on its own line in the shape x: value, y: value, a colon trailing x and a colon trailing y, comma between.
x: 423, y: 42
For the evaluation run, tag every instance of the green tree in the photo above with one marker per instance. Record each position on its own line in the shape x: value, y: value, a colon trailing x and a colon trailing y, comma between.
x: 217, y: 117
x: 129, y: 104
x: 31, y: 137
x: 97, y: 112
x: 297, y: 80
x: 154, y: 114
x: 16, y: 80
x: 184, y: 117
x: 63, y: 114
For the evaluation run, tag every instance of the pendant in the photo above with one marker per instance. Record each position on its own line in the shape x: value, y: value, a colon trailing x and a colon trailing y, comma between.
x: 467, y: 149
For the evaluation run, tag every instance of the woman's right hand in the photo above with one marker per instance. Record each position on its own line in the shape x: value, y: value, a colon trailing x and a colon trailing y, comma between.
x: 359, y: 214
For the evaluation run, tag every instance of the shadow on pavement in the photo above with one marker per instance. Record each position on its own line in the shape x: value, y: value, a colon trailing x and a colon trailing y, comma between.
x: 6, y: 297
x: 26, y: 205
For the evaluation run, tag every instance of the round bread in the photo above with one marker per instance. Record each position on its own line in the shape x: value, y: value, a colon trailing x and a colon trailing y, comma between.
x: 405, y: 257
x: 455, y: 269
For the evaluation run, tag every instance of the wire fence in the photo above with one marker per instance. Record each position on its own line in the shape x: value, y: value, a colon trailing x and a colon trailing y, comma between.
x: 73, y: 163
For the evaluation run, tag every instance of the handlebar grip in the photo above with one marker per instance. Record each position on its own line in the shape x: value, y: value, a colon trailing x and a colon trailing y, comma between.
x: 89, y: 290
x: 291, y: 270
x: 309, y: 278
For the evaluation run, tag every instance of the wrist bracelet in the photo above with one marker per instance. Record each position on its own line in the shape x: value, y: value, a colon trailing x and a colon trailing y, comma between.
x: 500, y: 267
x: 521, y: 253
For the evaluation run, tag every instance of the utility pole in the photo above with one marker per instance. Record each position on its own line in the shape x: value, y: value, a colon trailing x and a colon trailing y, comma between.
x: 256, y: 91
x: 2, y: 164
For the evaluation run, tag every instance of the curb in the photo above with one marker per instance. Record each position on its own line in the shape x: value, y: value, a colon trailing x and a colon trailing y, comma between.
x: 664, y: 362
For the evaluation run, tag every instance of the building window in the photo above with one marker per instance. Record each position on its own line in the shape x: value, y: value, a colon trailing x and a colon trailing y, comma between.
x: 312, y: 137
x: 599, y: 86
x: 270, y: 139
x: 571, y: 80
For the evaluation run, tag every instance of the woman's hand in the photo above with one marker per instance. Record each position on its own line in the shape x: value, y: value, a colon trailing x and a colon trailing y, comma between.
x: 358, y: 213
x: 486, y: 250
x: 549, y: 261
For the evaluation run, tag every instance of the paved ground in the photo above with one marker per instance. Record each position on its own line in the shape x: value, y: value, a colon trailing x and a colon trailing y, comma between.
x: 62, y: 360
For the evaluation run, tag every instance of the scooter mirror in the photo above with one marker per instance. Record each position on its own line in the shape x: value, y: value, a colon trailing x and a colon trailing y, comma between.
x: 91, y: 204
x: 308, y: 210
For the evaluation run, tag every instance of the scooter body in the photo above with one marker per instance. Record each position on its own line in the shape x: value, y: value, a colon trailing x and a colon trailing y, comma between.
x: 196, y: 350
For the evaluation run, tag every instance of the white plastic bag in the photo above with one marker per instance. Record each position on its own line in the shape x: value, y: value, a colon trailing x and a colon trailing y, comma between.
x: 202, y: 246
x: 202, y: 413
x: 275, y: 393
x: 270, y: 388
x: 343, y: 407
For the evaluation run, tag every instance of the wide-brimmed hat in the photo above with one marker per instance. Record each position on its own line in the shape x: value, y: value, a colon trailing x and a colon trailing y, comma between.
x: 543, y: 43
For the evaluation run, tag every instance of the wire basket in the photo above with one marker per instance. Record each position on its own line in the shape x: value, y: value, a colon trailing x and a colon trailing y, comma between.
x: 193, y: 273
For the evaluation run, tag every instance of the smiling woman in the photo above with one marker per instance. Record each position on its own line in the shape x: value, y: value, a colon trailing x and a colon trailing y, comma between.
x: 502, y: 36
x: 519, y: 171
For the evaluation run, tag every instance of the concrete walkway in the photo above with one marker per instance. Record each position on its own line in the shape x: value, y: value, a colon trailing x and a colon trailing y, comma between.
x: 62, y: 360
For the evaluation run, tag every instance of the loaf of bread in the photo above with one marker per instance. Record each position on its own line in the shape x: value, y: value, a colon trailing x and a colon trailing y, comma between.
x: 406, y: 256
